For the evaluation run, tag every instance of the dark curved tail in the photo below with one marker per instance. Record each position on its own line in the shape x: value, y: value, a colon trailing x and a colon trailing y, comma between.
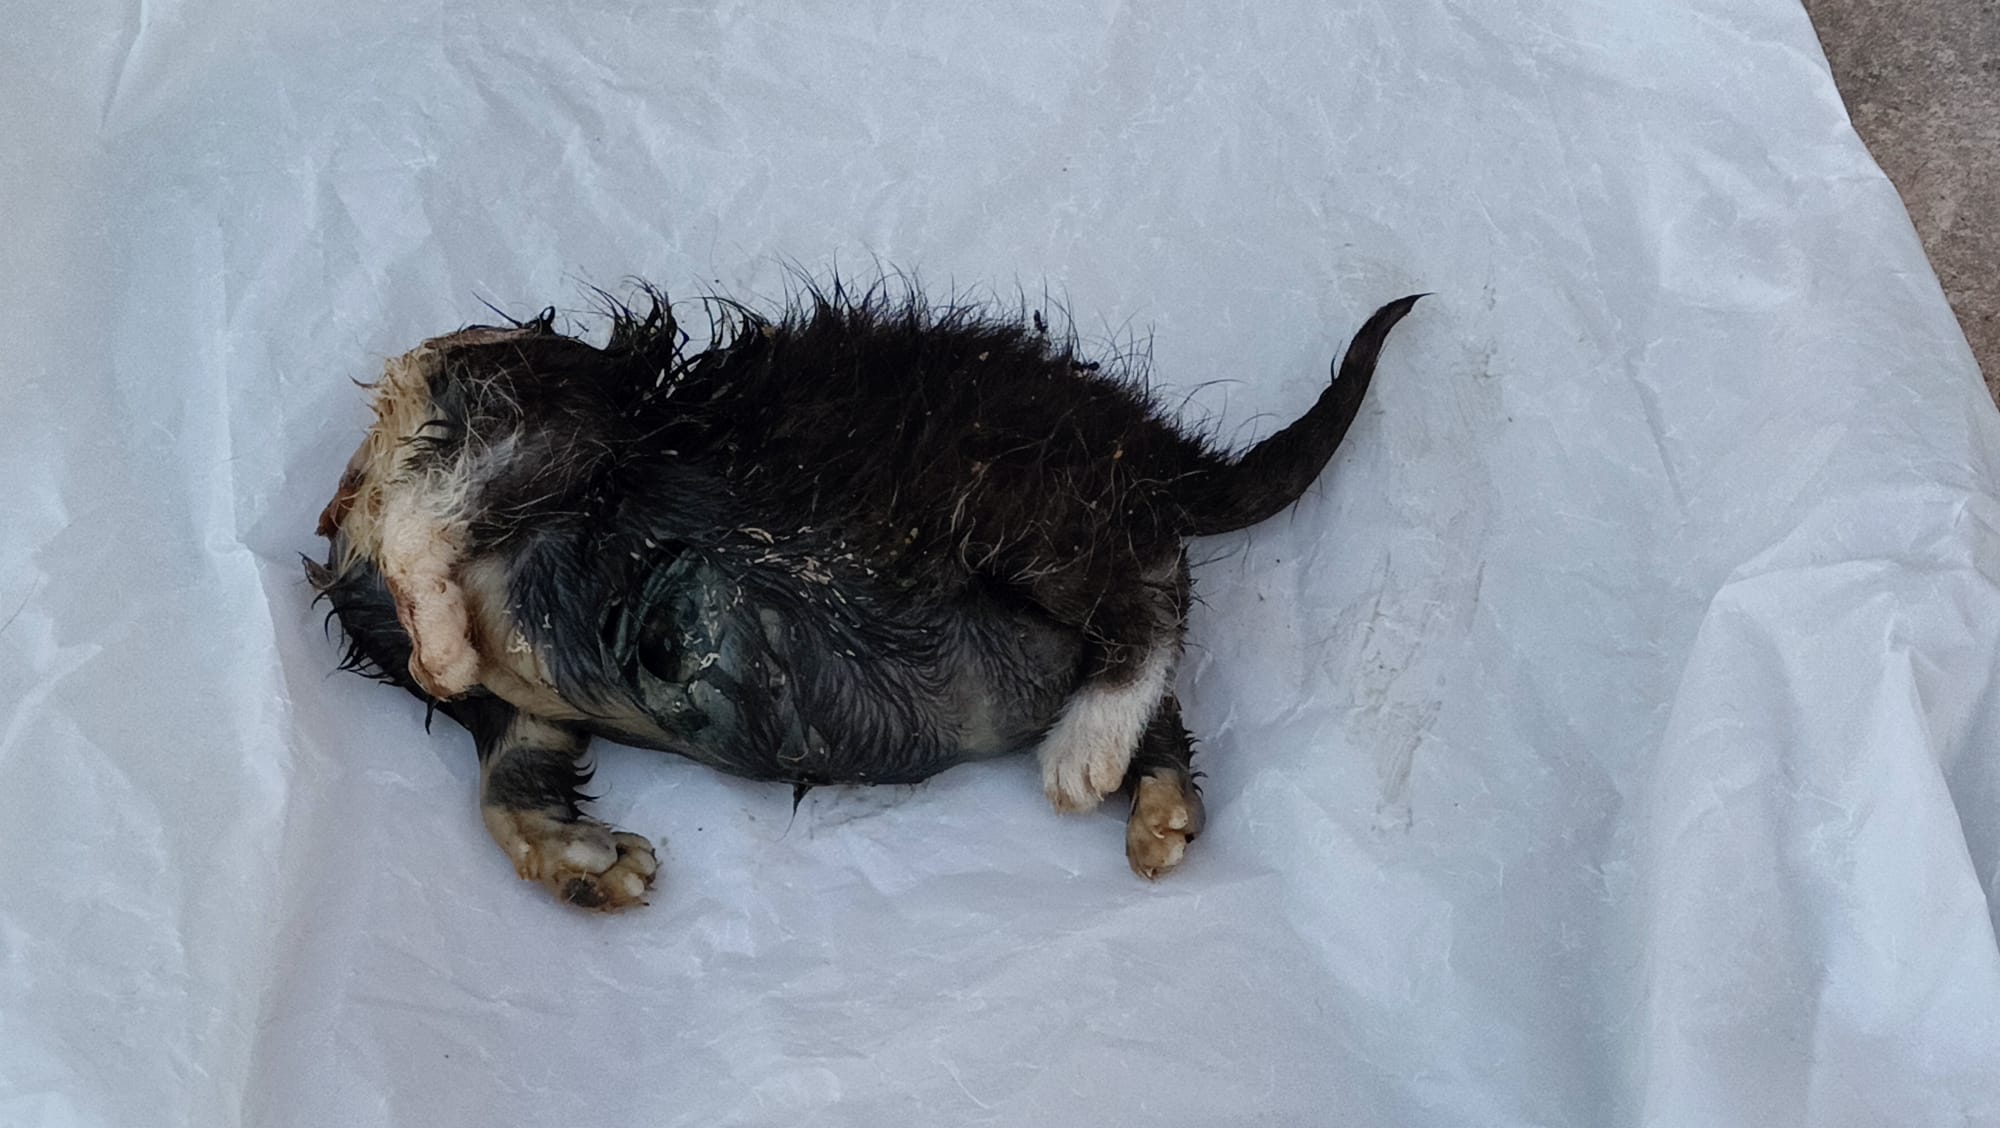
x: 1277, y: 471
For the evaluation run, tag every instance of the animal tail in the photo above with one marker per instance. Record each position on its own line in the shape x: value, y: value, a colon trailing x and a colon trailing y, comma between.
x: 1276, y: 472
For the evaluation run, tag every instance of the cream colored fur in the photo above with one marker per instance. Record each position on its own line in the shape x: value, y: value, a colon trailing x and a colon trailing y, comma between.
x: 410, y: 519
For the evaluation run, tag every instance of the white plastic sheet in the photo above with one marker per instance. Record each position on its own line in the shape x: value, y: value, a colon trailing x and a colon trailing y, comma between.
x: 1611, y: 739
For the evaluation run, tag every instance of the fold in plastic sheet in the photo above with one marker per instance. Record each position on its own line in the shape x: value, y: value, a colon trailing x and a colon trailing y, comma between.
x: 1610, y: 739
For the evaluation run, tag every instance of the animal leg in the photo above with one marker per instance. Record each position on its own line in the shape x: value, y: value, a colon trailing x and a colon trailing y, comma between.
x: 1085, y: 755
x: 1166, y: 805
x: 528, y: 797
x: 528, y: 773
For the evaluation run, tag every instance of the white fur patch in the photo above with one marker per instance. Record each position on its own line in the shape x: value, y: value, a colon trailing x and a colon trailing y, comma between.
x: 402, y: 408
x: 1084, y: 757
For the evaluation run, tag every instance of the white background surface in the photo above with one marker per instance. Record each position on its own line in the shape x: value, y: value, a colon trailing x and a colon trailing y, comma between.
x: 1611, y: 739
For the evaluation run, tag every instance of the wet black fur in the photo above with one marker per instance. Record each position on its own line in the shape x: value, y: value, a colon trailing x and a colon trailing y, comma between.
x: 859, y: 541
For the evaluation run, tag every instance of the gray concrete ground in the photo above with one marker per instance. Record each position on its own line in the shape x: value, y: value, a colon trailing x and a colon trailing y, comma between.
x: 1922, y: 83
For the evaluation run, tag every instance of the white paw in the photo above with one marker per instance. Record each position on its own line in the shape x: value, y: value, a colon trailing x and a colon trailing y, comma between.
x: 1085, y: 756
x: 581, y: 861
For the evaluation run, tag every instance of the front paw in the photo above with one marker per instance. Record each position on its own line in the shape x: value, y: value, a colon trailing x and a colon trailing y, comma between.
x: 580, y: 860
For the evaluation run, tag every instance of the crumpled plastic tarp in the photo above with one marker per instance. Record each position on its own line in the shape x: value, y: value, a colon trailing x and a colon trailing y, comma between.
x: 1611, y: 738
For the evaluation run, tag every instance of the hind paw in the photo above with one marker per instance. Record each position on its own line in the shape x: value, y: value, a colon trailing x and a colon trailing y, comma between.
x: 1079, y: 771
x: 1086, y: 755
x: 1166, y: 816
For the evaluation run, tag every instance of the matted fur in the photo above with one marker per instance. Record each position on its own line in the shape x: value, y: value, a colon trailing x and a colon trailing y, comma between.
x: 861, y: 539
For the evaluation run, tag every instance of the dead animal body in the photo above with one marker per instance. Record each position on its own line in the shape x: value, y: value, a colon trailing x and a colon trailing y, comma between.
x: 860, y: 540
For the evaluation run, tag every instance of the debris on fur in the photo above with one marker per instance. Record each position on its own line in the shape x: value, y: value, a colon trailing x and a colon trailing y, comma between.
x: 859, y: 539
